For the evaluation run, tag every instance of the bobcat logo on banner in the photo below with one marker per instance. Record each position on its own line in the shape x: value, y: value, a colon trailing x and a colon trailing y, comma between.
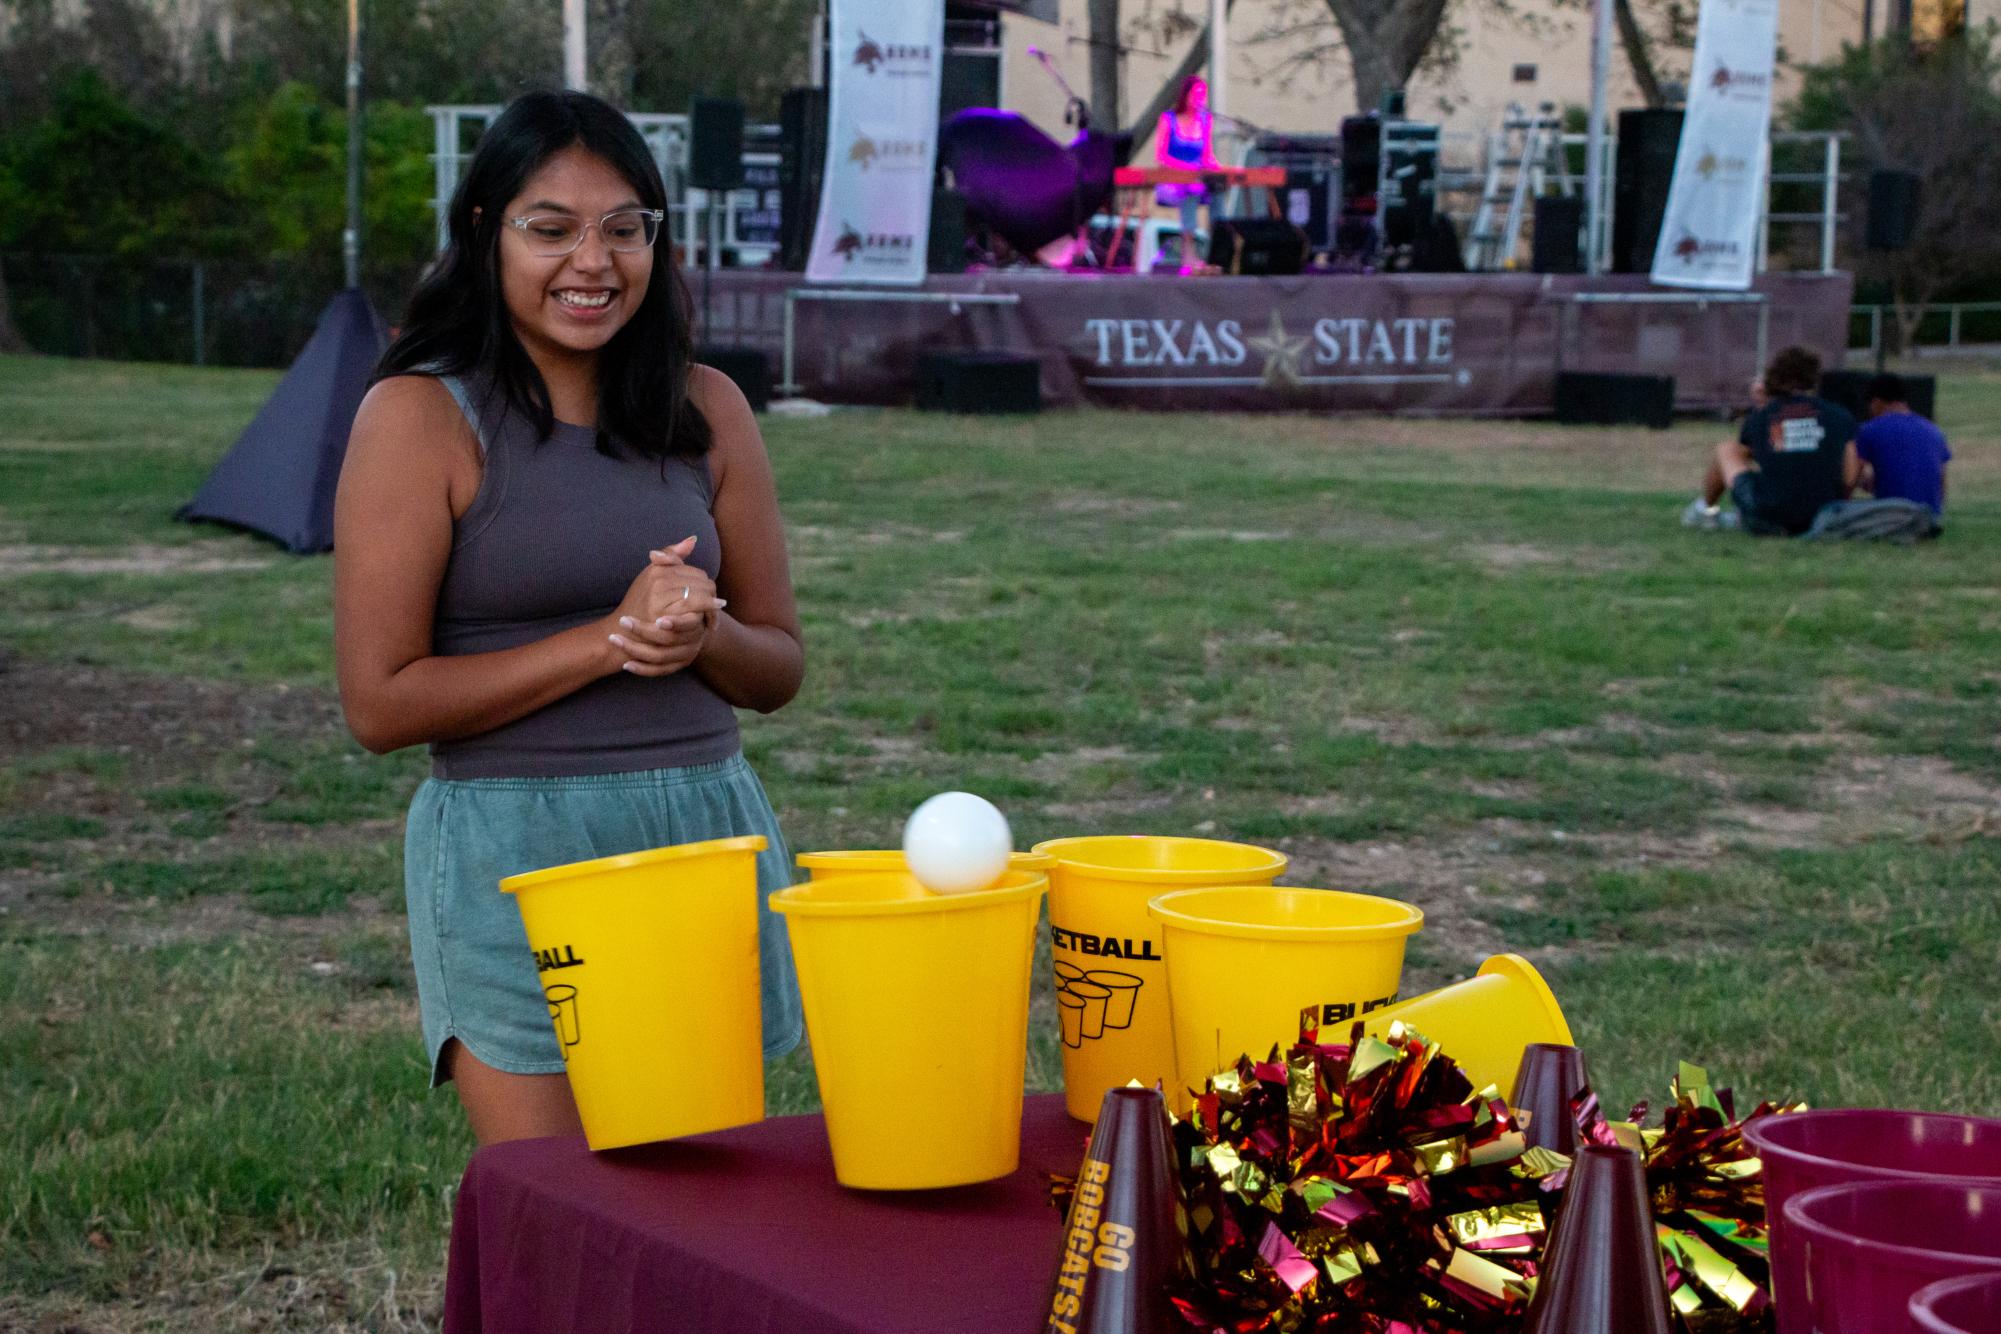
x: 882, y: 142
x: 1709, y: 234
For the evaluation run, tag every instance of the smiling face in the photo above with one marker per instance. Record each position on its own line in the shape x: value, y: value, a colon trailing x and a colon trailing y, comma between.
x: 573, y: 304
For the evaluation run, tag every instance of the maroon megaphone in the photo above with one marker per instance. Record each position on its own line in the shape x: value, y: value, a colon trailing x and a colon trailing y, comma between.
x: 1602, y: 1271
x: 1551, y: 1074
x: 1121, y: 1239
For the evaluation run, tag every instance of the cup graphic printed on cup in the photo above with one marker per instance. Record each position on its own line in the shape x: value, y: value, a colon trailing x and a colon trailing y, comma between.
x: 1098, y: 920
x: 1070, y: 1014
x: 1094, y: 998
x: 1090, y: 1003
x: 562, y: 1000
x: 1125, y: 990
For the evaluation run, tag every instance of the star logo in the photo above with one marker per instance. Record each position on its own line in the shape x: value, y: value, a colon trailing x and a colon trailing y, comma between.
x: 1282, y: 352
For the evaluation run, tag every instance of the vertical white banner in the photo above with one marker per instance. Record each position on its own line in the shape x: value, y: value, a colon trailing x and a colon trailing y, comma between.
x: 882, y: 141
x: 1709, y: 234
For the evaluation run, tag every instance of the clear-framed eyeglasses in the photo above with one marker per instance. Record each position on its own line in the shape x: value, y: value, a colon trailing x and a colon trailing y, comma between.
x: 553, y: 235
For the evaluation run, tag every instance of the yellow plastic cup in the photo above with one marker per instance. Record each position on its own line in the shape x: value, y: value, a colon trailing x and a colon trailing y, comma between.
x: 649, y: 965
x: 876, y: 860
x: 917, y: 1007
x: 1484, y: 1022
x: 1244, y: 962
x: 1101, y: 935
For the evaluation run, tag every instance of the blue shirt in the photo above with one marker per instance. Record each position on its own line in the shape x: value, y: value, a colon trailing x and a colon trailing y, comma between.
x: 1909, y: 455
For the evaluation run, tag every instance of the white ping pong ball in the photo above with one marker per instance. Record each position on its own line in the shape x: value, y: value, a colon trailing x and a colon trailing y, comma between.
x: 957, y: 843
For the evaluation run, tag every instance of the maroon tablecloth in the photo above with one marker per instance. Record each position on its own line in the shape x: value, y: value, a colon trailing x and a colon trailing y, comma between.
x: 747, y: 1231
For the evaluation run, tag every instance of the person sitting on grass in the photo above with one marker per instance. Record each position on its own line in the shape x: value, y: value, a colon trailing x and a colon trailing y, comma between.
x: 1903, y: 455
x: 1795, y: 454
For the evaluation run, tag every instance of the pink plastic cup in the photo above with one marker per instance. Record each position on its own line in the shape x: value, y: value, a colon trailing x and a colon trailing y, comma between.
x: 1871, y: 1245
x: 1970, y: 1305
x: 1802, y: 1150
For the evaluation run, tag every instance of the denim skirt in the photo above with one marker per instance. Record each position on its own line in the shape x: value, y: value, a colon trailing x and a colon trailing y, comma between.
x: 476, y: 979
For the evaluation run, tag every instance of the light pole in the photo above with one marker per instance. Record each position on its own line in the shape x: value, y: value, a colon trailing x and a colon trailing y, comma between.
x: 573, y: 45
x: 1219, y: 57
x: 350, y: 240
x: 1594, y: 139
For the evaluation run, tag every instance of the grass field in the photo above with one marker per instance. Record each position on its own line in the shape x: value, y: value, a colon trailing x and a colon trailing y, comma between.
x: 1738, y: 799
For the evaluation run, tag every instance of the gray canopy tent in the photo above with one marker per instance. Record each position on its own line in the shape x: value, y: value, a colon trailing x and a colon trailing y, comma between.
x: 278, y: 478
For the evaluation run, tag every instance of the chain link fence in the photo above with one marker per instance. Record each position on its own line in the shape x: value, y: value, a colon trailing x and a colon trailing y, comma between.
x: 208, y: 312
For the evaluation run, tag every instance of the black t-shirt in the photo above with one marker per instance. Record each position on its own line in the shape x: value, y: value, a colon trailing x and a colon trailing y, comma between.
x: 1798, y: 442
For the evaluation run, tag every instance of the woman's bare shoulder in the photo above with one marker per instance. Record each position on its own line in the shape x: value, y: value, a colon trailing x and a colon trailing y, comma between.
x: 408, y: 401
x: 732, y: 425
x: 714, y: 392
x: 414, y: 414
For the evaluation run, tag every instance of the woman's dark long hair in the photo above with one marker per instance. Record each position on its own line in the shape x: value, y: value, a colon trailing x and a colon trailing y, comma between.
x: 458, y: 322
x: 1187, y: 93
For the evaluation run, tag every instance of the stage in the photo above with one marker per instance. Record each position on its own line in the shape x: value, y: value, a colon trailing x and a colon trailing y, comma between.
x: 1478, y: 344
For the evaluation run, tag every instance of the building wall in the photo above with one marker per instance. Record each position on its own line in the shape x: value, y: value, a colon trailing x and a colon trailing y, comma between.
x: 1269, y: 88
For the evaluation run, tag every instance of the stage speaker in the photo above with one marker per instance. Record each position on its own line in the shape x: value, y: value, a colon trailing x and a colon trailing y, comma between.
x: 1893, y: 209
x: 1592, y: 399
x: 979, y: 382
x: 802, y: 167
x: 1361, y: 171
x: 1410, y: 197
x: 1642, y: 172
x: 1554, y: 246
x: 1306, y: 200
x: 946, y: 252
x: 715, y: 143
x: 1361, y: 160
x: 1264, y: 247
x: 1850, y: 389
x: 1438, y: 250
x: 748, y: 368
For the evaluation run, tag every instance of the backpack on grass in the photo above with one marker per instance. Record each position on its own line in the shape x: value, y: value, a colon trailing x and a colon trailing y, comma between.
x: 1888, y: 520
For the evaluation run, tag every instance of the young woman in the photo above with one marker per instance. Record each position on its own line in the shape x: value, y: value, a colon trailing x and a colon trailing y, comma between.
x: 1185, y: 139
x: 559, y: 563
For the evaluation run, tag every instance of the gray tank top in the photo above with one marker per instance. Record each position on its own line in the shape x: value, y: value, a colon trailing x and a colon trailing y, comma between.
x: 554, y: 538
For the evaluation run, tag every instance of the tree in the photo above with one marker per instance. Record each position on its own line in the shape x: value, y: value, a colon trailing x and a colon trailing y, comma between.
x: 1934, y: 110
x: 45, y: 43
x: 10, y: 337
x: 1639, y: 45
x: 414, y: 51
x: 749, y: 52
x: 1384, y: 42
x: 1105, y: 63
x: 286, y: 173
x: 99, y: 177
x: 1168, y: 26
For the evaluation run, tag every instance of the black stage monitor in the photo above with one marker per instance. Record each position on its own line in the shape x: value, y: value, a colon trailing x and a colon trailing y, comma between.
x: 1264, y: 247
x: 715, y: 143
x: 1893, y: 209
x: 1559, y: 219
x: 802, y: 164
x: 1643, y: 169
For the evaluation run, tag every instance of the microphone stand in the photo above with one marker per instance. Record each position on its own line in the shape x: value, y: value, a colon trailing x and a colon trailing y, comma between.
x: 1076, y: 110
x: 1239, y: 124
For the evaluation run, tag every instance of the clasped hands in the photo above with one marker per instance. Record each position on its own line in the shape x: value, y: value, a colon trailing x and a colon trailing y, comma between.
x: 666, y: 615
